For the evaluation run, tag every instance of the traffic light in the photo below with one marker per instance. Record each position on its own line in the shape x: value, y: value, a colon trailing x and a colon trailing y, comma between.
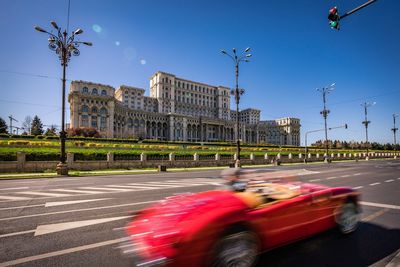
x: 334, y: 18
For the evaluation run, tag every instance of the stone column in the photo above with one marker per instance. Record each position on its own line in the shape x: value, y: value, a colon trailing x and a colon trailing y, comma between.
x: 171, y: 157
x: 70, y: 159
x: 143, y: 157
x: 217, y: 157
x: 196, y: 157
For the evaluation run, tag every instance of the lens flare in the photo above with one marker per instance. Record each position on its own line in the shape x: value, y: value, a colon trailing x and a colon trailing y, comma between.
x: 117, y: 43
x: 97, y: 28
x: 143, y: 62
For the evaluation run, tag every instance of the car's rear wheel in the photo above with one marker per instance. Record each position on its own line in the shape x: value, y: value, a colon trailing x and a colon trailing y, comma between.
x: 238, y: 249
x: 349, y: 218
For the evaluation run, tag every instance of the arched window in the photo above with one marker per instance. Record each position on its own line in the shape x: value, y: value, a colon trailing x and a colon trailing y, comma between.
x: 85, y: 90
x: 94, y: 110
x: 103, y: 112
x: 94, y: 121
x: 103, y: 92
x: 85, y: 108
x: 94, y: 91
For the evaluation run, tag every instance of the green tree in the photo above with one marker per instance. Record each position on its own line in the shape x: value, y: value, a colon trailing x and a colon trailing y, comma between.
x: 52, y: 131
x: 36, y: 126
x: 3, y: 126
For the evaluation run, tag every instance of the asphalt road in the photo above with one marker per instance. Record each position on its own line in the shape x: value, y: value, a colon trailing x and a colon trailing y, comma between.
x: 77, y: 221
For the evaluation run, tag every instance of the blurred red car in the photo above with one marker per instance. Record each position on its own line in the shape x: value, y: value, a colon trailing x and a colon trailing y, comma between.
x: 227, y: 228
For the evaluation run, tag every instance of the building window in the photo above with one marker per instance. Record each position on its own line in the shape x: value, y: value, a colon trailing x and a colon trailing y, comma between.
x: 103, y: 112
x: 94, y: 91
x: 85, y: 90
x: 94, y: 110
x: 103, y: 92
x: 85, y: 121
x: 103, y: 123
x: 85, y: 108
x: 94, y: 121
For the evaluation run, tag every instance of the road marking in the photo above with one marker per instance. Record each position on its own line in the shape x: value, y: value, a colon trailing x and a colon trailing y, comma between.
x: 374, y: 184
x: 13, y: 188
x: 344, y: 176
x: 61, y: 252
x: 22, y: 207
x: 375, y: 215
x: 356, y: 174
x: 14, y: 198
x: 379, y: 205
x: 106, y: 189
x: 182, y: 183
x: 358, y: 187
x: 57, y: 227
x: 78, y: 191
x: 315, y: 180
x: 154, y: 186
x: 334, y: 177
x: 389, y: 181
x: 17, y: 233
x: 60, y: 203
x: 43, y: 194
x: 77, y: 210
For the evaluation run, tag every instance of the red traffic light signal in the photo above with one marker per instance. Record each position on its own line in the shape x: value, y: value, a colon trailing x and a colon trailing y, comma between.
x: 334, y: 18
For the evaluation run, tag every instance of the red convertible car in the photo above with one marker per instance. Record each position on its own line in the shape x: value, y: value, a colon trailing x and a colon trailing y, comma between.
x: 230, y: 228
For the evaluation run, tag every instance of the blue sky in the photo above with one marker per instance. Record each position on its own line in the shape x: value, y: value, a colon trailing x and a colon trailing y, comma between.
x: 294, y: 52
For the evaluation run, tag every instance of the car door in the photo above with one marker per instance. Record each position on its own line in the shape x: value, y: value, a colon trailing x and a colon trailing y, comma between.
x: 284, y: 221
x: 322, y: 210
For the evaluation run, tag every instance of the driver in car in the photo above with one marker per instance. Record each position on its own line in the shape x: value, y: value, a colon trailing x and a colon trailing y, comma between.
x: 233, y: 178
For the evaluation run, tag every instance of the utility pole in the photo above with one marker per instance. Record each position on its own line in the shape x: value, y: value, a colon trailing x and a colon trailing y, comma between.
x: 324, y: 113
x: 366, y: 105
x: 394, y: 129
x: 11, y: 120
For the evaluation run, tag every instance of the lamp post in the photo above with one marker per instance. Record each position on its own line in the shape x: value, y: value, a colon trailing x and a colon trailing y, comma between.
x: 64, y: 46
x: 366, y: 105
x: 237, y: 93
x: 324, y: 113
x: 394, y: 129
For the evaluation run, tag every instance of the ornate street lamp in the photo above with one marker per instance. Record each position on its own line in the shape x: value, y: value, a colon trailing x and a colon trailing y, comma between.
x: 64, y: 46
x: 237, y: 93
x: 324, y: 113
x: 366, y: 105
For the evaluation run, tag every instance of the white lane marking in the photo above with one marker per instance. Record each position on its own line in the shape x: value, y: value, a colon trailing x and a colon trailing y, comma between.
x: 142, y: 187
x: 374, y: 184
x: 333, y: 177
x: 356, y: 174
x: 57, y: 227
x: 14, y: 198
x: 61, y: 252
x: 13, y: 188
x: 358, y: 187
x: 22, y: 207
x: 375, y: 215
x: 78, y: 210
x: 43, y: 194
x: 315, y: 180
x: 106, y: 189
x: 379, y: 205
x: 183, y: 183
x: 17, y: 233
x: 153, y: 186
x: 389, y: 181
x: 60, y: 203
x: 344, y: 176
x: 77, y: 191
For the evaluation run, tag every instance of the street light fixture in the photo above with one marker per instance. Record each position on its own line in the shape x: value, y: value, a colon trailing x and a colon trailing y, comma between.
x: 366, y: 105
x: 324, y: 113
x: 64, y: 46
x: 237, y: 93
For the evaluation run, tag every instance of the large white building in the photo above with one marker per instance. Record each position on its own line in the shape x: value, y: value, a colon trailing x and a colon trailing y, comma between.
x: 177, y: 109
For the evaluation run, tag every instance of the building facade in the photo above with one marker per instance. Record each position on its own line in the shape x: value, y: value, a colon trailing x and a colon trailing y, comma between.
x: 176, y: 110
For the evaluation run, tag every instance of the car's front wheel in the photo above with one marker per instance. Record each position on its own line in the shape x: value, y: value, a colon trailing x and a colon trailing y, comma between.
x: 349, y: 218
x: 238, y: 249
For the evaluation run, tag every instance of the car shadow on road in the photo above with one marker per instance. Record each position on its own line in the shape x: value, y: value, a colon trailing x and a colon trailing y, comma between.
x: 368, y: 245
